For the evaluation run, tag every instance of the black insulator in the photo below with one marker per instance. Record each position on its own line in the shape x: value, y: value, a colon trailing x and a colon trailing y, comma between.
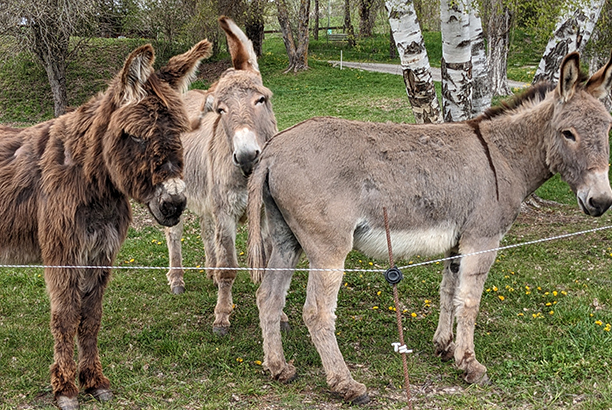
x: 394, y: 276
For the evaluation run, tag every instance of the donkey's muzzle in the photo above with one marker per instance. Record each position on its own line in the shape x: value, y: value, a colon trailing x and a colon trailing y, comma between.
x: 595, y: 195
x: 169, y: 202
x: 246, y: 161
x: 595, y: 206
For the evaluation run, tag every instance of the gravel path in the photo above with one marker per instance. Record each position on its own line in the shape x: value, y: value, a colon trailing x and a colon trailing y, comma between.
x: 397, y: 69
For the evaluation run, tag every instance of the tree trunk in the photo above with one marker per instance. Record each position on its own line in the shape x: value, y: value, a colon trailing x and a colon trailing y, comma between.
x: 51, y: 47
x: 498, y: 39
x: 348, y: 26
x: 298, y: 54
x: 456, y: 66
x: 406, y: 33
x: 315, y: 32
x: 254, y: 26
x: 481, y: 85
x: 573, y: 30
x: 365, y: 20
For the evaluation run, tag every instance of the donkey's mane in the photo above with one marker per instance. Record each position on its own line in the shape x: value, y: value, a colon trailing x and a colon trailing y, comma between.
x: 536, y: 92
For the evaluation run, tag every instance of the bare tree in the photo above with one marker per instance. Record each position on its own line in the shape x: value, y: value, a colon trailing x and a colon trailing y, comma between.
x: 456, y: 66
x: 406, y: 32
x: 574, y: 28
x: 254, y: 24
x: 498, y: 39
x: 366, y: 12
x: 44, y: 28
x: 297, y: 52
x: 348, y: 26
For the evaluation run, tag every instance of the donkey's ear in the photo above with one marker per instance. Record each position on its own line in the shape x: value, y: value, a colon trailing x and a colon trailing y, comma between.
x: 568, y: 77
x: 180, y: 70
x: 240, y: 47
x: 600, y: 83
x: 135, y: 73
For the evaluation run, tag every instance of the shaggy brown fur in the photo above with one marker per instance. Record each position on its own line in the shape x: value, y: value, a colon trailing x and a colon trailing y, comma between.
x: 449, y: 188
x: 236, y: 119
x: 66, y: 185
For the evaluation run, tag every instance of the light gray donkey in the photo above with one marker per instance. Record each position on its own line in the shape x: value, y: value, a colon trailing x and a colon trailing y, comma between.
x: 236, y: 119
x: 454, y: 188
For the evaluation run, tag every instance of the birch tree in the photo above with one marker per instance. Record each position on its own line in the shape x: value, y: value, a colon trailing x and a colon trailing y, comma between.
x: 456, y: 65
x: 573, y: 30
x: 481, y: 83
x: 498, y: 39
x: 296, y: 51
x: 408, y: 38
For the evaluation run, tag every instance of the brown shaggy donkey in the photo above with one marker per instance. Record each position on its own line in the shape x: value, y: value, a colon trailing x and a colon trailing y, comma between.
x: 66, y: 185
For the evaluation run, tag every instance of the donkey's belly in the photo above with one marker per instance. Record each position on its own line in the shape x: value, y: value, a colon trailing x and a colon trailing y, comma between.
x: 431, y: 241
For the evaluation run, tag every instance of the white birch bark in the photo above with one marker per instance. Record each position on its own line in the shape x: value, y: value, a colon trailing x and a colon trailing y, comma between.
x: 573, y: 30
x: 415, y: 63
x: 481, y: 83
x: 456, y: 66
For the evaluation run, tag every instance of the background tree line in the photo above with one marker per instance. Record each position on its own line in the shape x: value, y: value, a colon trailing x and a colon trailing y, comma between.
x: 46, y: 27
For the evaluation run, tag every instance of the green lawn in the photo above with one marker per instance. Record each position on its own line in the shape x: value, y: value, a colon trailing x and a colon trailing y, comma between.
x: 543, y: 332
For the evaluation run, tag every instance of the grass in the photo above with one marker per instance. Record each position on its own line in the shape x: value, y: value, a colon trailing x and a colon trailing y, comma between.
x: 159, y: 351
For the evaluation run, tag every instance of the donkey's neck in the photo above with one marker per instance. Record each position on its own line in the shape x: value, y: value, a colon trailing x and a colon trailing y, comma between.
x: 521, y: 139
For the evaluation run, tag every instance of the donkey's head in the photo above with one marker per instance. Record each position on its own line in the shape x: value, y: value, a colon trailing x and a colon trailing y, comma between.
x: 142, y: 148
x: 580, y: 149
x: 242, y: 102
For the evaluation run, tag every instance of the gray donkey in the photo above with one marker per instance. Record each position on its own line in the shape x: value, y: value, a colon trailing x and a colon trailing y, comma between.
x: 454, y: 188
x: 236, y: 119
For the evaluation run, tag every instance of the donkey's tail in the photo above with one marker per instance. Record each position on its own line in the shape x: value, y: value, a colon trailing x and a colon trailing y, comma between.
x: 255, y: 242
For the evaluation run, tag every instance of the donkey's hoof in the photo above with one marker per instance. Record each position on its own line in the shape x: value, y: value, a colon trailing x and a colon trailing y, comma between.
x: 177, y: 290
x: 480, y: 380
x: 361, y: 400
x: 287, y: 374
x: 67, y: 403
x: 285, y: 327
x: 221, y: 330
x: 102, y: 395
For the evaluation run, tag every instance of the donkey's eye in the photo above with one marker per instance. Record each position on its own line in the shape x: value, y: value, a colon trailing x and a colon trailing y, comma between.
x: 221, y: 111
x: 568, y: 135
x: 261, y: 100
x: 136, y: 139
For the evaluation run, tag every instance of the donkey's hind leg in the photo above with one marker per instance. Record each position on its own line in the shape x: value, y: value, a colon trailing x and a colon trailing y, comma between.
x: 271, y: 301
x: 443, y: 338
x: 91, y: 378
x: 319, y: 316
x: 473, y: 273
x: 175, y: 274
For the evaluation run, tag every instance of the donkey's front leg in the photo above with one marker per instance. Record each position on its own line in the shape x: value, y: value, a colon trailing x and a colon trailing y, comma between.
x: 91, y: 378
x: 472, y: 276
x: 225, y: 251
x: 319, y: 316
x: 175, y: 254
x: 65, y: 313
x: 443, y: 338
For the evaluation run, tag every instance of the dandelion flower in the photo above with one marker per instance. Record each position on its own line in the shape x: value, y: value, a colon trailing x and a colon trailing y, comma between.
x: 598, y: 322
x: 413, y: 314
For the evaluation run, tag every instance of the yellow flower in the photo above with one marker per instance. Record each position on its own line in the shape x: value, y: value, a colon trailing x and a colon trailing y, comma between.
x: 374, y: 307
x: 413, y: 314
x: 552, y: 312
x: 257, y: 362
x: 608, y: 327
x: 239, y: 359
x: 555, y: 293
x: 520, y: 314
x: 392, y: 308
x: 379, y: 292
x: 501, y: 298
x: 494, y: 288
x: 598, y: 322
